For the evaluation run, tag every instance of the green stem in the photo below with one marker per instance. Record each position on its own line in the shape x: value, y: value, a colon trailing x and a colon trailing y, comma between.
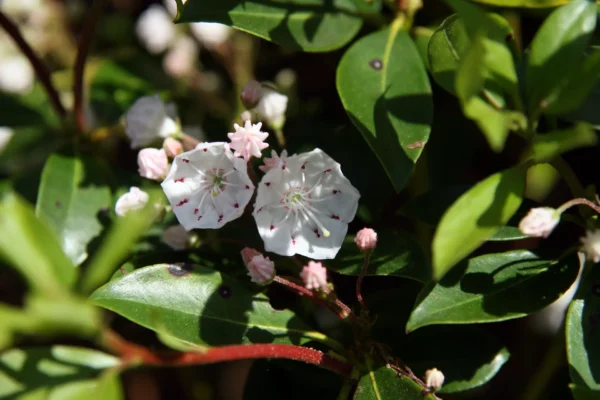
x: 548, y: 367
x: 567, y: 173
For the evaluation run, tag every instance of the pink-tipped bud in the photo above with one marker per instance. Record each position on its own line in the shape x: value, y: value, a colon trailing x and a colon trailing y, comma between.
x: 172, y: 147
x: 153, y: 164
x: 261, y: 270
x: 366, y: 239
x: 434, y: 379
x: 314, y: 275
x: 539, y: 222
x: 251, y: 94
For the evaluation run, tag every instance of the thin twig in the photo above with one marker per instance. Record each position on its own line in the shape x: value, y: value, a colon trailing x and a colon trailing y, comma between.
x: 38, y: 66
x: 576, y: 202
x: 83, y: 48
x: 132, y: 353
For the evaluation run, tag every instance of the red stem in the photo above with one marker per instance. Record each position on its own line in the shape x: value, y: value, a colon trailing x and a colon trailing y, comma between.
x: 38, y: 66
x: 132, y: 353
x: 83, y: 48
x: 363, y: 272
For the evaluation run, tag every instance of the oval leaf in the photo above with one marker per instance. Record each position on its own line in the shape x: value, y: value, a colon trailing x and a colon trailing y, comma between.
x: 385, y: 384
x: 391, y: 102
x: 200, y: 306
x: 309, y: 25
x: 583, y: 337
x: 494, y: 287
x: 70, y: 208
x: 475, y: 217
x: 523, y: 3
x: 557, y: 49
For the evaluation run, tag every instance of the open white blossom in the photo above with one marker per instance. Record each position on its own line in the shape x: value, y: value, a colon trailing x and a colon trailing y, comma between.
x: 304, y: 206
x: 210, y: 34
x: 155, y: 29
x: 208, y: 187
x: 271, y: 107
x: 147, y: 120
x: 591, y: 245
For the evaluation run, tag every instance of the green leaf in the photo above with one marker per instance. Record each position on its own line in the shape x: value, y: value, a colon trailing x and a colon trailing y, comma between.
x: 475, y: 217
x: 70, y: 208
x: 398, y: 253
x: 557, y: 48
x: 523, y: 3
x: 309, y: 25
x: 582, y: 393
x: 49, y: 372
x: 118, y: 243
x: 107, y: 387
x: 200, y: 306
x: 422, y: 36
x: 31, y: 247
x: 385, y: 384
x: 547, y: 146
x: 391, y: 103
x: 494, y: 287
x: 583, y: 337
x: 480, y: 21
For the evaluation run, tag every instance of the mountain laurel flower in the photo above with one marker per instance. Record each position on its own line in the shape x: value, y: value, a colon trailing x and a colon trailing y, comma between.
x: 135, y: 199
x: 172, y: 147
x: 181, y: 58
x: 434, y: 379
x: 271, y: 108
x: 304, y: 206
x: 273, y: 162
x: 261, y: 270
x: 591, y: 245
x: 147, y: 120
x: 366, y: 239
x: 539, y: 222
x: 248, y: 140
x: 155, y: 29
x: 314, y: 275
x: 153, y: 164
x: 208, y: 187
x: 210, y: 34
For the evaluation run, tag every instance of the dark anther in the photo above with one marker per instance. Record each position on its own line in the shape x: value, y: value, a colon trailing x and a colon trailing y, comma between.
x: 376, y: 64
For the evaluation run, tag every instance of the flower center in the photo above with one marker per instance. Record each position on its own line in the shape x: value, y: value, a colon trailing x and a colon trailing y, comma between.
x: 299, y: 201
x: 215, y: 181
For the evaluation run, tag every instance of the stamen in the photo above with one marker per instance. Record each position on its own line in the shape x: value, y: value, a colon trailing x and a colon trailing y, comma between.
x: 322, y: 228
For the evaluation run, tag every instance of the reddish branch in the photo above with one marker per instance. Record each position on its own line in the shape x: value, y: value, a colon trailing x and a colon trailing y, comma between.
x: 132, y: 353
x: 363, y: 272
x: 83, y: 49
x: 38, y: 66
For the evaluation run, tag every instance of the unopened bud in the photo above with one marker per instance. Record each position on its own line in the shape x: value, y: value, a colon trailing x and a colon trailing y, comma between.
x: 251, y: 94
x: 434, y: 379
x: 539, y: 222
x: 176, y: 237
x: 272, y: 107
x: 172, y: 147
x: 246, y: 116
x: 135, y: 199
x: 261, y: 270
x: 366, y: 239
x: 314, y: 275
x: 153, y: 164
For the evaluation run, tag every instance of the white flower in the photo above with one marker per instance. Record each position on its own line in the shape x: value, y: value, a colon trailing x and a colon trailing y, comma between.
x: 6, y: 135
x: 181, y: 58
x: 210, y: 34
x: 434, y: 379
x: 305, y: 206
x: 135, y: 199
x: 271, y: 107
x: 155, y: 29
x: 153, y: 164
x: 273, y: 162
x: 314, y: 275
x: 208, y: 187
x: 248, y: 140
x: 539, y: 222
x: 147, y: 120
x: 16, y: 74
x: 591, y: 245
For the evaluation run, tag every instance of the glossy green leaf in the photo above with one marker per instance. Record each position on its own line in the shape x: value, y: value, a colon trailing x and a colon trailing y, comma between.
x: 391, y: 103
x: 523, y: 3
x: 582, y: 393
x: 546, y: 147
x: 422, y: 35
x: 31, y: 247
x: 383, y: 383
x: 397, y: 254
x: 119, y: 242
x: 309, y: 25
x: 583, y: 337
x: 481, y: 21
x: 494, y: 287
x: 70, y: 205
x: 49, y: 372
x: 200, y: 306
x: 475, y: 217
x: 106, y: 387
x: 557, y: 48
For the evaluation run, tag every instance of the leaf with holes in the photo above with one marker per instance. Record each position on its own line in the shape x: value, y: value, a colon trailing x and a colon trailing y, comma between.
x: 200, y: 306
x: 391, y: 103
x: 494, y: 287
x: 309, y: 25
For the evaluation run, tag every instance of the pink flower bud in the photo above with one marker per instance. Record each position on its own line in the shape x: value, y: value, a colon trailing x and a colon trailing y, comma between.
x: 172, y: 147
x: 539, y: 222
x: 434, y: 379
x: 366, y: 239
x: 153, y: 164
x: 261, y: 270
x: 314, y: 275
x: 251, y: 94
x: 135, y: 199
